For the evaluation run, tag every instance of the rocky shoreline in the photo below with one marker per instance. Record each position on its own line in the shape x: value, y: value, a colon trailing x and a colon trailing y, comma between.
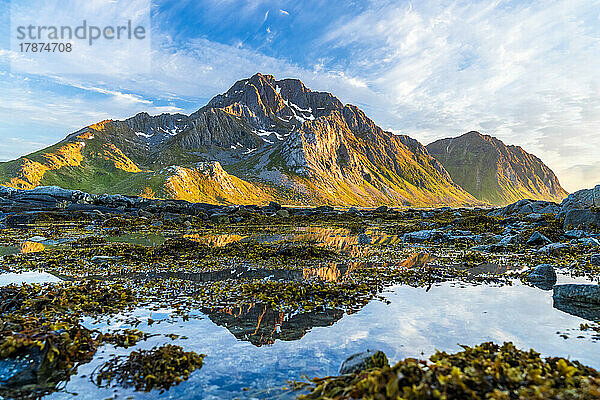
x: 265, y: 273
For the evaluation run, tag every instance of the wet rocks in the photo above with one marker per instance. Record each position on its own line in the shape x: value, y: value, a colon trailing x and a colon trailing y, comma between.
x: 364, y: 239
x: 582, y: 199
x: 23, y: 369
x: 381, y: 209
x: 537, y: 239
x: 583, y: 293
x: 595, y: 259
x: 425, y: 236
x: 219, y: 218
x: 581, y: 219
x: 283, y: 213
x: 543, y: 276
x: 363, y: 361
x: 527, y: 206
x: 553, y: 248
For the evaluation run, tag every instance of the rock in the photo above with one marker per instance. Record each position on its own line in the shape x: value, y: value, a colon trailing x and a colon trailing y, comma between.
x: 274, y: 205
x: 23, y: 369
x: 593, y: 242
x: 103, y: 259
x: 324, y: 209
x: 425, y: 235
x: 574, y: 234
x: 595, y: 259
x: 526, y: 206
x: 364, y: 239
x: 509, y: 240
x: 543, y: 276
x: 427, y: 214
x: 283, y: 213
x: 580, y: 200
x: 187, y: 224
x: 577, y: 292
x: 219, y: 218
x: 353, y: 210
x: 19, y: 220
x: 534, y: 217
x: 365, y: 360
x: 553, y: 248
x: 537, y: 239
x: 581, y: 219
x: 381, y: 209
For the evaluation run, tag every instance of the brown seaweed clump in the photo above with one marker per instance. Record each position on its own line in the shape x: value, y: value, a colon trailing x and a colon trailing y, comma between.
x: 486, y: 371
x: 158, y: 368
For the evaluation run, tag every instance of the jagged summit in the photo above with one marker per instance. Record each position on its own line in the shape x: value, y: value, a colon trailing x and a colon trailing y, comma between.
x: 494, y: 172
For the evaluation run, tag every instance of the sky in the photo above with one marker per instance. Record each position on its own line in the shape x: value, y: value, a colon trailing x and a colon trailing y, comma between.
x: 527, y: 72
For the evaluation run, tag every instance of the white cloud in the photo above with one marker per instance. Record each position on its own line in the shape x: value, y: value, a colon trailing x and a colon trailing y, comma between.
x: 525, y: 73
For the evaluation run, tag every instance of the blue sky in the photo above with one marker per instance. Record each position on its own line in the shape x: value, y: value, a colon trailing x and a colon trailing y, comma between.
x: 526, y: 72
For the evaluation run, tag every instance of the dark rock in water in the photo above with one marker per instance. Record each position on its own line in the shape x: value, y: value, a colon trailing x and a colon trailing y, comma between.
x: 582, y: 219
x: 21, y: 370
x: 364, y: 239
x: 581, y: 293
x: 365, y: 360
x: 591, y: 312
x: 537, y: 239
x: 381, y: 209
x: 595, y: 259
x: 353, y: 210
x: 543, y: 276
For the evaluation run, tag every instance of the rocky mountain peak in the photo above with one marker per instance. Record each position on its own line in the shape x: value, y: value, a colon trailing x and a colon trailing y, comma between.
x: 495, y: 172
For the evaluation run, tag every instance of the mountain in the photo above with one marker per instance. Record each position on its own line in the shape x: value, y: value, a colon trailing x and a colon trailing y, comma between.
x: 262, y: 140
x: 494, y: 172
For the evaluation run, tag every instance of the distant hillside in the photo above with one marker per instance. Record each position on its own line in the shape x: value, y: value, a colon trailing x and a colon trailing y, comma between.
x: 262, y: 140
x: 493, y: 172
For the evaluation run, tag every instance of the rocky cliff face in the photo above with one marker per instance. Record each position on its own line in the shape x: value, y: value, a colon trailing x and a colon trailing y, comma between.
x: 494, y: 172
x: 264, y: 139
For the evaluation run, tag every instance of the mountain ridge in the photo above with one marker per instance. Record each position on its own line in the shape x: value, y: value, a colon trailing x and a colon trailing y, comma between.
x: 495, y: 172
x: 262, y: 140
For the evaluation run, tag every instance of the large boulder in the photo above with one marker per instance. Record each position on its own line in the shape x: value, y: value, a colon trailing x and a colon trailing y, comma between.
x: 537, y: 239
x: 581, y: 199
x: 362, y: 361
x: 527, y: 206
x: 430, y: 235
x: 543, y: 276
x: 582, y: 219
x: 581, y: 293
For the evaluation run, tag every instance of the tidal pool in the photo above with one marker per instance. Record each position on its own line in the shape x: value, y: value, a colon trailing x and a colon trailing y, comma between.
x: 11, y: 278
x: 252, y: 352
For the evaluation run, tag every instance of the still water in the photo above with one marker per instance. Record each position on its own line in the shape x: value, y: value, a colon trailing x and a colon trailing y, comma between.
x: 252, y: 353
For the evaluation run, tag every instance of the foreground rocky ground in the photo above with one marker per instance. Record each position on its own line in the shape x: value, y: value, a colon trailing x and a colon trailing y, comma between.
x: 273, y: 273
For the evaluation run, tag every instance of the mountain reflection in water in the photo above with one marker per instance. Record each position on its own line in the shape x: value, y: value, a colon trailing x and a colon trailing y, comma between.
x: 260, y: 325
